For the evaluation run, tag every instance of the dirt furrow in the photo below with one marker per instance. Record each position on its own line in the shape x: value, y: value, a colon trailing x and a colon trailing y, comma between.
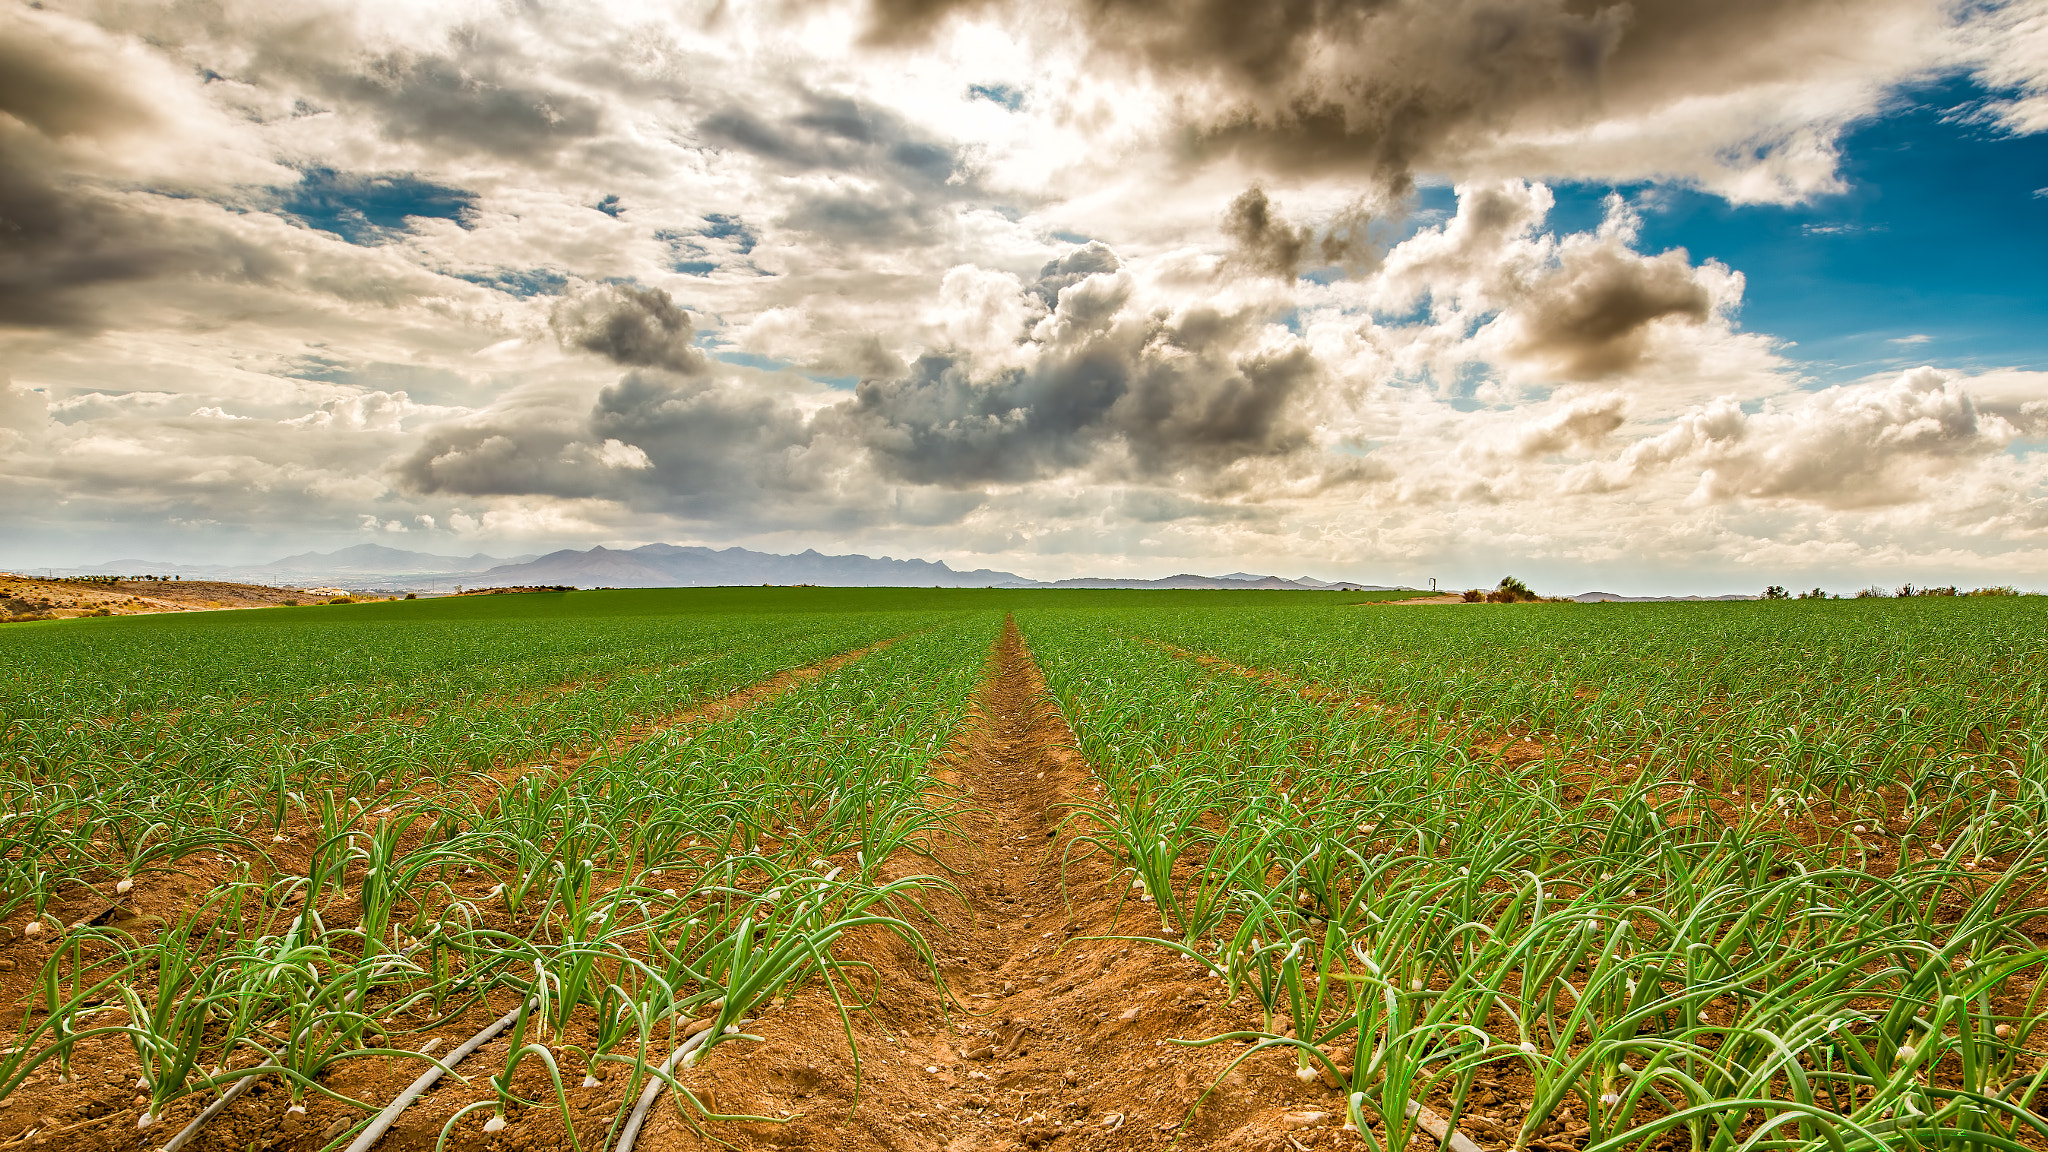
x: 1053, y: 1039
x: 697, y: 714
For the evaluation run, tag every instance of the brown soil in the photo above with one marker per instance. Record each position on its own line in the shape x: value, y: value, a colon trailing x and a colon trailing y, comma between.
x: 1433, y: 598
x: 1042, y: 1038
x: 707, y: 712
x: 1511, y: 748
x: 1053, y: 1039
x: 96, y: 1109
x: 26, y: 597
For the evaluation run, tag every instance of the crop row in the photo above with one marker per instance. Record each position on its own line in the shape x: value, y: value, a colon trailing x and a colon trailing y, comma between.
x: 88, y: 802
x: 1613, y: 960
x: 695, y: 874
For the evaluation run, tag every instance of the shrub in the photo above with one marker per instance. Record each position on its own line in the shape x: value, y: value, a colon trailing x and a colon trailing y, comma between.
x: 2000, y: 590
x: 1511, y: 591
x: 343, y: 600
x: 1774, y: 592
x: 1816, y: 594
x: 412, y: 595
x: 1474, y: 595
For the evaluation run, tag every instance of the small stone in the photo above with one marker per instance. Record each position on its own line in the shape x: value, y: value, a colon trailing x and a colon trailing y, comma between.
x: 1295, y: 1121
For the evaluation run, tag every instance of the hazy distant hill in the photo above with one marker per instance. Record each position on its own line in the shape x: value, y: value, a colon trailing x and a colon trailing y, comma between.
x: 1611, y: 598
x: 360, y: 566
x: 1234, y: 580
x: 674, y: 566
x: 654, y: 566
x: 378, y: 558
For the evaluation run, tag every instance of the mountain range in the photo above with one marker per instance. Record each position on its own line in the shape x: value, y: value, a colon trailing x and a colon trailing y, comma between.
x: 377, y: 567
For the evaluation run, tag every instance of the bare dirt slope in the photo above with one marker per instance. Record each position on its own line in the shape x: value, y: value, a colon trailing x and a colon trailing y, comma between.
x: 32, y: 597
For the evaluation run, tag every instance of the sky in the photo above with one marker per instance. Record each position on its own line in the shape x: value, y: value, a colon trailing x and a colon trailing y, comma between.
x: 1646, y: 297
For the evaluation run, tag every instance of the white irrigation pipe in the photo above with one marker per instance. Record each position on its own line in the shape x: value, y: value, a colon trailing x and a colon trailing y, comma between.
x: 631, y: 1131
x: 1437, y: 1126
x: 429, y: 1078
x: 228, y: 1097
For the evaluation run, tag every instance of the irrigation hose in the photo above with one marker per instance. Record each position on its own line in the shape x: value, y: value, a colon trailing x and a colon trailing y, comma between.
x: 631, y: 1131
x: 185, y: 1135
x: 236, y: 1089
x: 389, y: 1115
x: 1437, y: 1126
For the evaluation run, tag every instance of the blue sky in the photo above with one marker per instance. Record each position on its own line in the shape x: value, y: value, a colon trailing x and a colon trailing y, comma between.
x: 1942, y: 232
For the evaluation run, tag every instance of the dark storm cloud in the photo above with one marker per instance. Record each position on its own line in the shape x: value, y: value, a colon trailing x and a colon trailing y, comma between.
x: 1383, y: 87
x: 49, y: 87
x: 62, y: 236
x: 1166, y: 394
x: 1590, y: 318
x: 1261, y: 242
x: 903, y: 174
x: 466, y: 104
x: 510, y: 454
x: 682, y: 444
x: 1264, y: 244
x: 637, y: 327
x: 62, y: 244
x: 872, y: 219
x: 704, y: 438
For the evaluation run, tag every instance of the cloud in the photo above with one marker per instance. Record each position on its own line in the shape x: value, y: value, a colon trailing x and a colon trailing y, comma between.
x: 1072, y: 267
x: 1747, y: 97
x: 1110, y: 383
x: 961, y: 290
x: 828, y: 133
x: 54, y: 79
x: 637, y: 327
x: 474, y: 103
x: 1261, y: 242
x: 1591, y: 317
x: 22, y: 408
x: 1852, y: 446
x: 1584, y: 423
x: 2008, y: 45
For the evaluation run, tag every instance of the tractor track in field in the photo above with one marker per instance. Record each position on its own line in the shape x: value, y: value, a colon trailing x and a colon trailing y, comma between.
x: 1052, y: 1040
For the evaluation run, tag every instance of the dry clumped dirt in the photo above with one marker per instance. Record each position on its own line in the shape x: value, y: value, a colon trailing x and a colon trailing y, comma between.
x: 1043, y: 1038
x: 30, y: 597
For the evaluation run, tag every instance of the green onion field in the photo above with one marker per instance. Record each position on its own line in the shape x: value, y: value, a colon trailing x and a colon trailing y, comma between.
x: 901, y: 868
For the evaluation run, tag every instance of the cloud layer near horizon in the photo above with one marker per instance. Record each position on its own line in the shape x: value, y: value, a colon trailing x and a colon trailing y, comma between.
x: 1132, y: 286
